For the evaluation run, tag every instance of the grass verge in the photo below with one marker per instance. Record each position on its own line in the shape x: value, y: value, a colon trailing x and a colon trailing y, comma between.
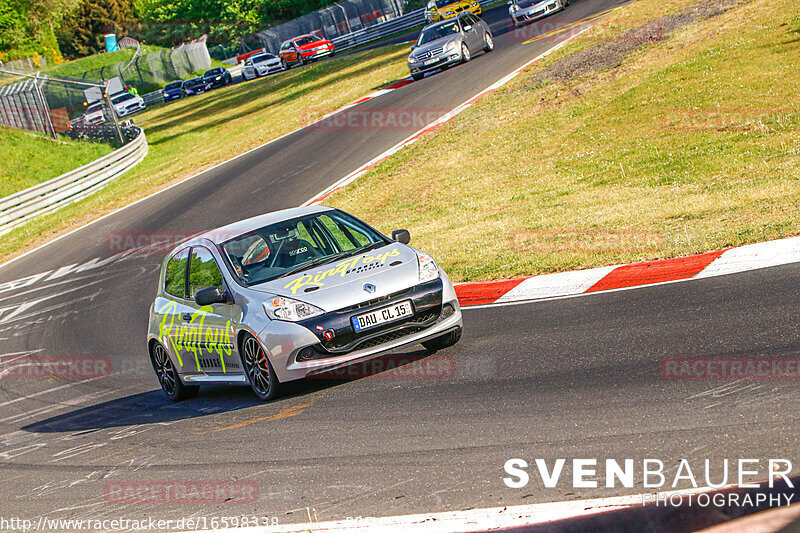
x: 31, y: 158
x: 688, y: 143
x: 219, y: 125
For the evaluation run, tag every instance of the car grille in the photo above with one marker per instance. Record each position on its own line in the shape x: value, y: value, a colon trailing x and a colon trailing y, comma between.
x: 430, y: 53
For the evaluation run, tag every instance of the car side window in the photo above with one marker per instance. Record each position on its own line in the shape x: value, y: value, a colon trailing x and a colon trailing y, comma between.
x: 175, y: 276
x: 203, y: 271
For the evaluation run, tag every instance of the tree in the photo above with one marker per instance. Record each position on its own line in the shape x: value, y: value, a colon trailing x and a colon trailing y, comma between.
x: 82, y: 31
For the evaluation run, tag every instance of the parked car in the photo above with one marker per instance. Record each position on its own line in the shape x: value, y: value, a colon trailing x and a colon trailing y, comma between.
x: 126, y: 104
x: 447, y: 43
x: 305, y: 48
x: 217, y: 77
x: 94, y: 114
x: 195, y: 86
x: 525, y: 11
x: 262, y: 65
x: 285, y: 295
x: 439, y: 10
x: 173, y: 91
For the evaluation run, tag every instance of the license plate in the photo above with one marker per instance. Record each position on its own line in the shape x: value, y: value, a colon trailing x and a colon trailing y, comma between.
x: 384, y: 315
x: 429, y: 62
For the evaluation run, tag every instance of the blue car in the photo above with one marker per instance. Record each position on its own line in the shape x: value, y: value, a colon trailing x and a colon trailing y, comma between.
x: 173, y: 91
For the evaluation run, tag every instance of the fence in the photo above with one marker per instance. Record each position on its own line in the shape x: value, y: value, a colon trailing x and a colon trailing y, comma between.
x: 70, y: 187
x: 333, y: 21
x: 23, y: 106
x: 29, y: 64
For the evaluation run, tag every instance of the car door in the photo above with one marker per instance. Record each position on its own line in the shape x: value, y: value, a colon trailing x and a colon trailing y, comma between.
x: 210, y: 340
x: 248, y: 70
x: 470, y: 27
x: 172, y: 307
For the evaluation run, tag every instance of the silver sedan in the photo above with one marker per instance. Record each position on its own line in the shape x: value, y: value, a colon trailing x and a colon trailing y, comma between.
x: 525, y: 11
x: 290, y: 294
x: 449, y: 42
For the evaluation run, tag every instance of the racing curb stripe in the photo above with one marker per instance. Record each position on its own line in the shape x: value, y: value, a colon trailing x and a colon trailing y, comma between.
x: 655, y: 272
x: 546, y: 286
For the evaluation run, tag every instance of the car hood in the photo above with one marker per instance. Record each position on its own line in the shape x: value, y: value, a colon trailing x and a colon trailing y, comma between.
x: 315, y: 44
x: 268, y: 61
x: 389, y: 269
x: 172, y: 91
x: 438, y: 43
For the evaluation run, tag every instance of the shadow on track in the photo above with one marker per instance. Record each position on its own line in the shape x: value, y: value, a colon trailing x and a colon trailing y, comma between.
x: 153, y: 408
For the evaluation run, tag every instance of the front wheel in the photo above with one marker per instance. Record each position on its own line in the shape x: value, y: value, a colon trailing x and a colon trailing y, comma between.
x: 417, y: 77
x: 168, y: 377
x: 464, y: 53
x: 259, y: 370
x: 488, y: 43
x: 443, y: 341
x: 284, y: 66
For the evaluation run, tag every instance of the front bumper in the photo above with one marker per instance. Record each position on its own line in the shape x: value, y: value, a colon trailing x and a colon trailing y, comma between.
x: 445, y: 59
x: 269, y: 69
x: 129, y: 110
x: 535, y: 12
x: 317, y: 54
x: 170, y: 97
x: 299, y: 349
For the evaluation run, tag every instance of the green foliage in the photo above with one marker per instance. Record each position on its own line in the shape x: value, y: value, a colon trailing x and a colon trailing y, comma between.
x: 82, y: 31
x: 28, y: 27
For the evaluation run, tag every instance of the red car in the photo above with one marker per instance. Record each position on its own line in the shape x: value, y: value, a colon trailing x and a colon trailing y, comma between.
x: 305, y: 48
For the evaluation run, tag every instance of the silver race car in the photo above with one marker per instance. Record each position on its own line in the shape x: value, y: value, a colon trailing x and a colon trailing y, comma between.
x: 525, y: 11
x: 289, y: 294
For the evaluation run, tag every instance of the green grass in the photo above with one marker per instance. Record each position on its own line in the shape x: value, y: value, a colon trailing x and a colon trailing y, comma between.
x: 31, y: 158
x: 196, y: 133
x: 690, y: 145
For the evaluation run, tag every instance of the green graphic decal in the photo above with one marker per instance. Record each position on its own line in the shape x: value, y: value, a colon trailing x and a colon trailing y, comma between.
x: 192, y: 337
x: 340, y: 269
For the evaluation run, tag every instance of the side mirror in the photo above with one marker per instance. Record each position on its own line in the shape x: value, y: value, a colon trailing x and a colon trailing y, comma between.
x: 211, y: 295
x: 413, y: 46
x: 401, y: 236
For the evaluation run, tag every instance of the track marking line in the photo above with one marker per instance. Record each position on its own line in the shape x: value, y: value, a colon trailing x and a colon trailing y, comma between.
x: 286, y: 412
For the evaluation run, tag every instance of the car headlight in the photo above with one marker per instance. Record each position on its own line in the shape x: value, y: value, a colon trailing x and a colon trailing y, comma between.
x: 514, y: 8
x: 427, y: 268
x: 280, y: 308
x: 412, y: 59
x: 449, y: 47
x: 218, y: 77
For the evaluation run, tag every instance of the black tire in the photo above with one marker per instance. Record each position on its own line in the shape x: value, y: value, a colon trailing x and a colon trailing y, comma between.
x: 284, y: 66
x: 301, y: 60
x: 417, y: 77
x: 443, y: 341
x: 258, y: 369
x: 465, y: 56
x: 488, y: 43
x: 168, y: 377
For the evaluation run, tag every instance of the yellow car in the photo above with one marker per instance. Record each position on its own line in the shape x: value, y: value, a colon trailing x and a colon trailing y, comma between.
x: 438, y: 10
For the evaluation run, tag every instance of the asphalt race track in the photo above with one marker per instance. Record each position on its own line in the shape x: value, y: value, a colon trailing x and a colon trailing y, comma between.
x: 575, y: 377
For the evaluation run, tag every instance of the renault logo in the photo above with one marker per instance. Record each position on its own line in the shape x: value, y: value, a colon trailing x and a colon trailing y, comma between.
x: 369, y: 287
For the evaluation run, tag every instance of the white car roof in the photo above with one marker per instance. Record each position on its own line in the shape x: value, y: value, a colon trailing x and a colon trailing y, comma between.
x: 230, y: 231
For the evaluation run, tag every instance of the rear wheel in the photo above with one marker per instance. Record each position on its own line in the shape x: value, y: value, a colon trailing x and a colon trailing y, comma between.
x: 168, y: 377
x: 259, y: 370
x: 284, y: 66
x: 444, y: 341
x: 464, y: 53
x: 488, y: 43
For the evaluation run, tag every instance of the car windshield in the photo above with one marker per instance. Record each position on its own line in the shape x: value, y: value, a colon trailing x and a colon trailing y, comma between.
x: 444, y: 3
x: 437, y: 32
x: 297, y: 244
x: 307, y: 40
x: 193, y: 82
x: 94, y: 108
x: 262, y: 57
x: 122, y: 98
x: 213, y: 72
x: 173, y: 85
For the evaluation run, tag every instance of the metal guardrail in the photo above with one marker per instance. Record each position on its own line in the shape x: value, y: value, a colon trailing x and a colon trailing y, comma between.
x: 70, y: 187
x: 386, y: 29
